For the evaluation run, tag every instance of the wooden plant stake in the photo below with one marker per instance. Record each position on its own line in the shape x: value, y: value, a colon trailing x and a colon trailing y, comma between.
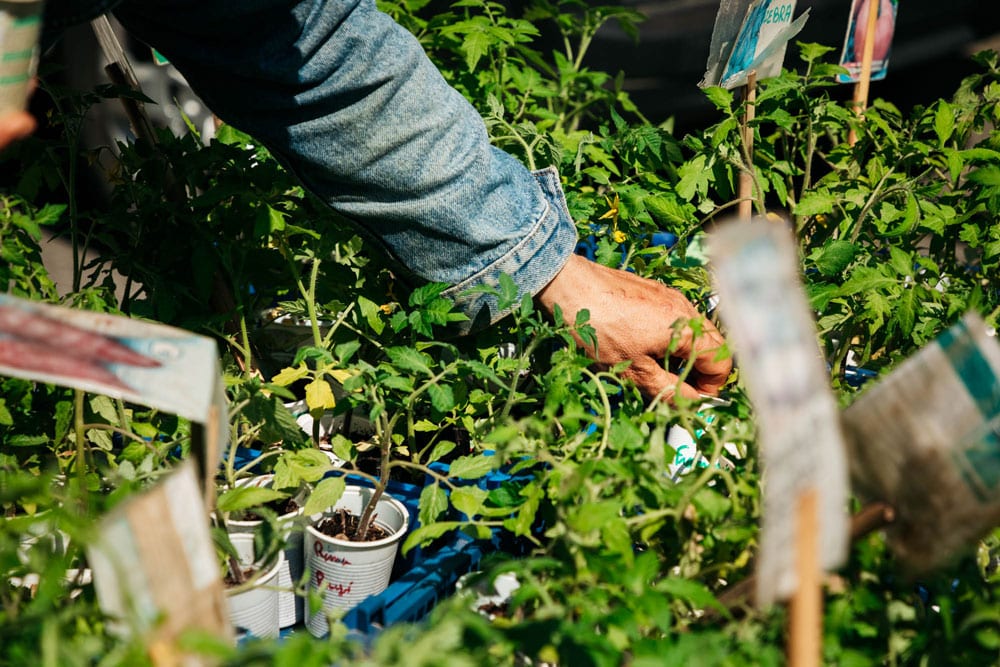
x: 868, y: 52
x: 745, y: 193
x: 805, y: 609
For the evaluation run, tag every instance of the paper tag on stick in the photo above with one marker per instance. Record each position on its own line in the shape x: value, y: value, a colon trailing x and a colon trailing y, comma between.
x: 750, y: 36
x: 155, y: 568
x: 769, y: 325
x: 926, y: 439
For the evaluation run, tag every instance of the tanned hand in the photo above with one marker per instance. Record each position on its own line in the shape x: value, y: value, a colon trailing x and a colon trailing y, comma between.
x: 633, y: 318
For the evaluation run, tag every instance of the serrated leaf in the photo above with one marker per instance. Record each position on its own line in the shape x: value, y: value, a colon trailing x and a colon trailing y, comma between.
x: 246, y: 497
x: 290, y: 375
x: 835, y: 257
x: 442, y: 397
x: 319, y: 395
x: 427, y: 534
x: 408, y: 359
x: 720, y: 97
x: 441, y: 449
x: 944, y: 122
x: 815, y: 202
x: 26, y: 440
x: 711, y: 504
x: 324, y: 495
x: 472, y: 467
x: 372, y: 314
x: 694, y: 593
x: 105, y: 407
x: 906, y: 307
x: 433, y: 503
x: 343, y: 448
x: 469, y: 500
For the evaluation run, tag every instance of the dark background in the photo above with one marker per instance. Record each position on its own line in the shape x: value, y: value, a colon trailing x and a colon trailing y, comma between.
x: 930, y: 52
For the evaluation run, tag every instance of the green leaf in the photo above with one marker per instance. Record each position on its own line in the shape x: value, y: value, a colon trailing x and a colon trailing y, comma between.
x: 720, y: 97
x: 833, y: 258
x: 944, y: 122
x: 324, y: 495
x: 696, y: 594
x: 711, y: 504
x: 319, y: 395
x: 433, y: 503
x: 815, y: 202
x: 304, y: 465
x: 427, y: 534
x: 343, y: 447
x: 906, y: 307
x: 469, y: 500
x: 472, y: 467
x: 408, y: 359
x: 245, y: 497
x: 442, y: 397
x: 441, y: 449
x: 372, y: 314
x: 865, y: 279
x: 275, y: 219
x: 290, y: 375
x: 105, y: 407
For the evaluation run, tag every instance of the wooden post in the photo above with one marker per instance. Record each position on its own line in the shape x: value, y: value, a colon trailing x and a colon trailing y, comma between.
x: 805, y: 610
x: 868, y: 52
x: 745, y: 193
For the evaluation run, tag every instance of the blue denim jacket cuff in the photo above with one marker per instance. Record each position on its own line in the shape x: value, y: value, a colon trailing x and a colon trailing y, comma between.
x: 532, y: 263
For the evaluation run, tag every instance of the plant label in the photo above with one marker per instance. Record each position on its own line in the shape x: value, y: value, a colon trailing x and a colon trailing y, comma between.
x: 852, y: 53
x: 20, y: 21
x: 755, y: 43
x: 926, y: 439
x: 764, y: 307
x: 142, y: 362
x: 155, y: 569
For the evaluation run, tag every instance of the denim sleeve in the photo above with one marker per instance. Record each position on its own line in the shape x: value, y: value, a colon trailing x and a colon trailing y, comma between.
x: 350, y: 103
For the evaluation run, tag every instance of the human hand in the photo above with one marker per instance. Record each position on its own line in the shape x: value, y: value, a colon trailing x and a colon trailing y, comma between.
x: 633, y: 318
x: 15, y: 125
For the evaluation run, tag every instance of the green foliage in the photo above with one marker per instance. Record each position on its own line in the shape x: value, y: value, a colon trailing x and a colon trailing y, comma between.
x: 617, y: 564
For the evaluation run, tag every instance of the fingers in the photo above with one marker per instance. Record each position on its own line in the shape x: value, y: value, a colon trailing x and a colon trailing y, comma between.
x: 654, y: 381
x: 634, y: 319
x: 15, y: 125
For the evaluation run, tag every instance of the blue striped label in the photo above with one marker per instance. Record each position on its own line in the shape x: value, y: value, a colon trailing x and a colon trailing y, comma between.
x: 979, y: 461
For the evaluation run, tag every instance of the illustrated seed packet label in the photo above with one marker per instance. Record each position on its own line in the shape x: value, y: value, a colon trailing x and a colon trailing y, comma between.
x: 750, y: 36
x: 141, y: 362
x: 769, y: 324
x: 926, y: 439
x: 857, y: 32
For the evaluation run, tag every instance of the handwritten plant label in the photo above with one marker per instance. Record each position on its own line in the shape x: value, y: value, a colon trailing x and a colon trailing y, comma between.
x: 926, y: 439
x: 154, y: 565
x: 142, y: 362
x: 764, y: 307
x: 753, y: 40
x: 857, y: 31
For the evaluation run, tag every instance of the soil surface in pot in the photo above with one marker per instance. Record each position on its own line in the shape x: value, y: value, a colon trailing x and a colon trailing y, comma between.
x: 281, y: 507
x: 230, y: 581
x: 344, y: 526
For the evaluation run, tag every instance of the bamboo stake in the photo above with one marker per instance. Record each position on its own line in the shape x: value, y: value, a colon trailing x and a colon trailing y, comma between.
x: 745, y: 192
x: 868, y: 52
x: 805, y: 610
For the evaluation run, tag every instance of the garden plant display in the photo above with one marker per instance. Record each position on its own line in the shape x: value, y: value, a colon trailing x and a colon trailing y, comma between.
x: 617, y: 564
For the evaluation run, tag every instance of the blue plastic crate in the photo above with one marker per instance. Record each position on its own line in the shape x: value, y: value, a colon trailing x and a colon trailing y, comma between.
x: 411, y: 597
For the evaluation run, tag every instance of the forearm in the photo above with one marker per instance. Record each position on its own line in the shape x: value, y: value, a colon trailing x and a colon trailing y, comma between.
x: 350, y: 103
